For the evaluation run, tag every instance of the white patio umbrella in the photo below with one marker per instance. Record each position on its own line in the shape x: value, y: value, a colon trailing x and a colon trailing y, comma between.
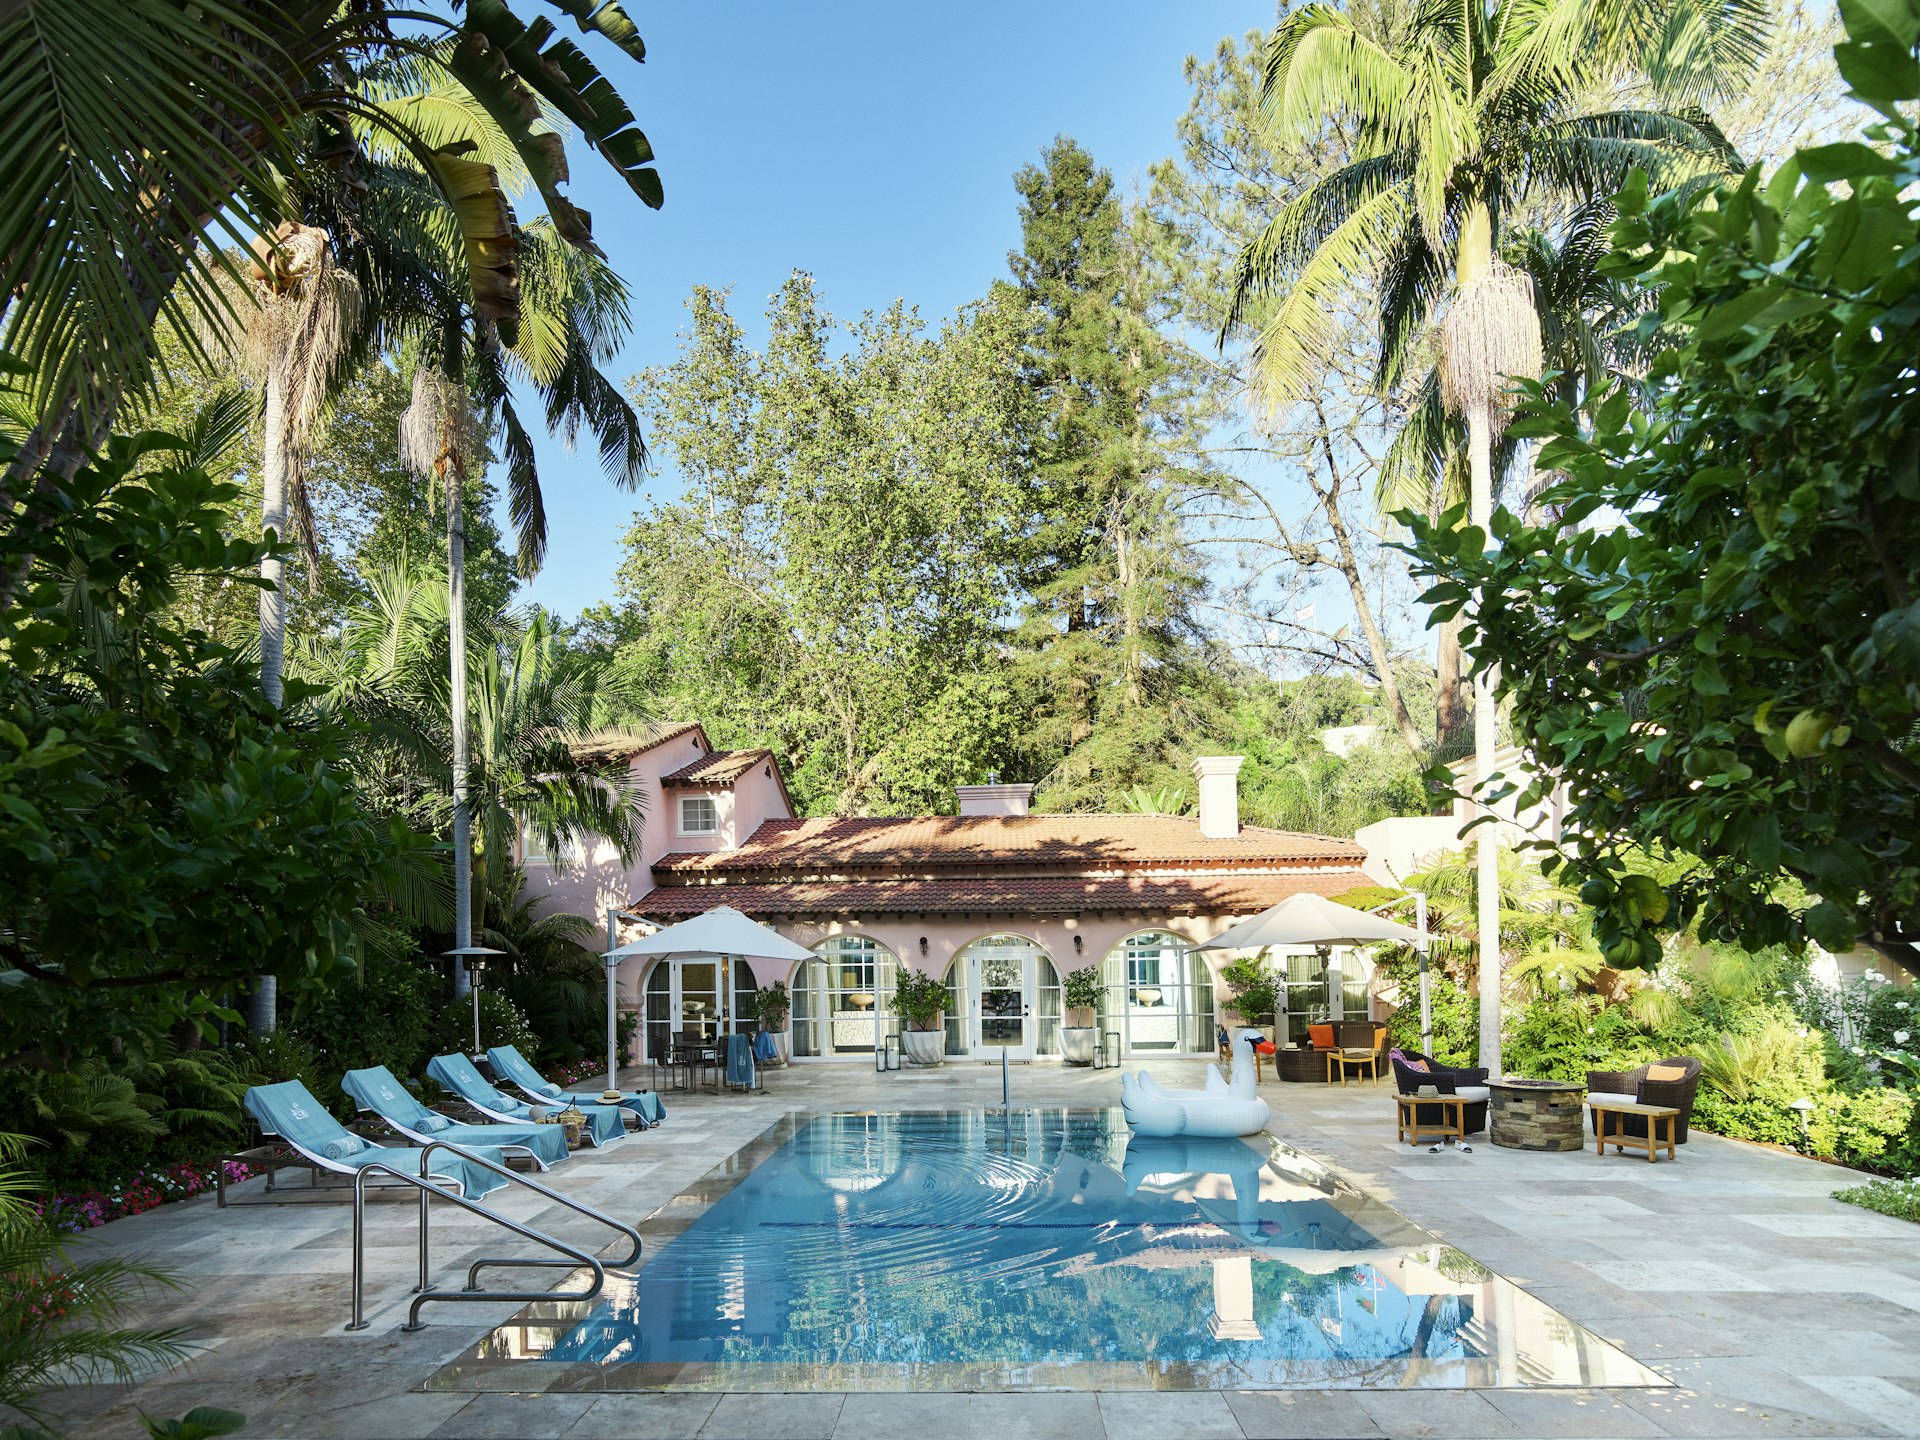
x: 1317, y: 921
x: 719, y: 933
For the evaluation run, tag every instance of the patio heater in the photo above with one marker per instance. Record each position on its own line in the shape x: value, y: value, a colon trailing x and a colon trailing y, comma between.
x: 473, y: 957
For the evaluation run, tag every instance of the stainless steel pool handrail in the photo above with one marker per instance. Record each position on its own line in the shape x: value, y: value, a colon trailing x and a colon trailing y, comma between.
x: 425, y: 1291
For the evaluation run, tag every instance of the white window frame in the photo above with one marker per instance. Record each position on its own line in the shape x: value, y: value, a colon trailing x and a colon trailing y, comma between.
x: 680, y: 811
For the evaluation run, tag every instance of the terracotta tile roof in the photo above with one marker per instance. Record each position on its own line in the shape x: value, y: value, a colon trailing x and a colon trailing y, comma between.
x: 622, y: 742
x: 1040, y: 895
x: 718, y: 768
x: 996, y: 842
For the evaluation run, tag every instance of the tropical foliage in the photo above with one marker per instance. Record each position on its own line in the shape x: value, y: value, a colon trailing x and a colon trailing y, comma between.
x: 1729, y: 675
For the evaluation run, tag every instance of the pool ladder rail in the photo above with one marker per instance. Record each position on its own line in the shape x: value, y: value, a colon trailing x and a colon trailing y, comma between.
x: 425, y: 1291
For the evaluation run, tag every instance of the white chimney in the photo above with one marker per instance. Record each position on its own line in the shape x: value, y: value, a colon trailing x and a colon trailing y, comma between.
x: 993, y: 799
x: 1218, y: 778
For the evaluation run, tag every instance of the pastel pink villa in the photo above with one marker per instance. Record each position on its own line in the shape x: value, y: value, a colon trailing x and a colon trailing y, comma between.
x: 995, y: 901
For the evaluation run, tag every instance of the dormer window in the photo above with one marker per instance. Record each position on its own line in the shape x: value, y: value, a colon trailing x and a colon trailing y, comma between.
x: 699, y: 815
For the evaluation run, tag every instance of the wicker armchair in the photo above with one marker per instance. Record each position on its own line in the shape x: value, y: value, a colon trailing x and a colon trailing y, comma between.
x: 1447, y: 1081
x: 1634, y: 1085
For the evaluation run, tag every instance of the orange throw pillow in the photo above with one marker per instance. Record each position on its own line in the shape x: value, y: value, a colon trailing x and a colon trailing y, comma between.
x: 1666, y: 1072
x: 1321, y: 1036
x: 1419, y: 1065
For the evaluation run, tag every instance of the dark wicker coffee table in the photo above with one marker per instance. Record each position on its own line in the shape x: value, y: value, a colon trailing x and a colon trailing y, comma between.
x: 1536, y: 1114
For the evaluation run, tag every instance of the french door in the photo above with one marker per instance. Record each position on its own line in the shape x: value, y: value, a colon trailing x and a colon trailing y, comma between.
x: 695, y: 996
x: 1003, y: 988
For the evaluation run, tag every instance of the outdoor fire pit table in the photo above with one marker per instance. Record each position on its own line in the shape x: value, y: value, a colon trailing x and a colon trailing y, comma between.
x: 1536, y: 1114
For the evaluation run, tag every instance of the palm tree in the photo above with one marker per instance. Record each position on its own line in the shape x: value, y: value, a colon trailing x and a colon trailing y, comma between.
x: 64, y: 1321
x: 293, y: 316
x: 532, y: 700
x: 130, y: 164
x: 1466, y: 120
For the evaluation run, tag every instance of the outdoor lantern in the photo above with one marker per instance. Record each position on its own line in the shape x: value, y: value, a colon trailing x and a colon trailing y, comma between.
x: 1802, y: 1107
x: 1079, y: 943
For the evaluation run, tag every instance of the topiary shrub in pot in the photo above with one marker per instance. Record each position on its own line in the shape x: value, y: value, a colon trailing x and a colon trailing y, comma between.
x: 1256, y: 992
x: 771, y: 1005
x: 1078, y: 1036
x: 921, y: 1001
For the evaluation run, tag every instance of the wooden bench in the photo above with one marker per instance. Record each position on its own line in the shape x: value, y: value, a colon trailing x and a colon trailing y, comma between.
x: 1654, y: 1114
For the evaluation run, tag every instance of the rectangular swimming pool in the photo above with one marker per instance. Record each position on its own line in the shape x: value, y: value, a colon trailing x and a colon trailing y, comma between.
x: 1035, y: 1249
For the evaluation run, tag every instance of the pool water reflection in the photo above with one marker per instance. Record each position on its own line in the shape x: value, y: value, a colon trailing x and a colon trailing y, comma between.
x: 1042, y: 1249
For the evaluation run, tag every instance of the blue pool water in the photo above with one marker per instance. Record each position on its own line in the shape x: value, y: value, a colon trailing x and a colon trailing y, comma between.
x: 1048, y: 1247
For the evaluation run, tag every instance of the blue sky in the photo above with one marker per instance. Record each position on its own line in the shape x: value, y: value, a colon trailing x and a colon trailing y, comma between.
x: 873, y: 144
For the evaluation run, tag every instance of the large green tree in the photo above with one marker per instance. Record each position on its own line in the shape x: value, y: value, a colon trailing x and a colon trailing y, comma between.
x: 170, y: 833
x: 1464, y: 116
x: 838, y: 570
x: 1112, y: 650
x: 127, y: 160
x: 1720, y: 661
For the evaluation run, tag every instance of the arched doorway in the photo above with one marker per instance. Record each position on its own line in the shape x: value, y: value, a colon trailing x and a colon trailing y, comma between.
x: 1004, y: 993
x: 842, y: 1000
x: 1159, y: 995
x: 704, y: 997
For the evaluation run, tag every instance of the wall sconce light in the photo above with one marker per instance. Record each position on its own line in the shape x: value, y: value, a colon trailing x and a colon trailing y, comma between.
x: 923, y: 944
x: 1079, y: 943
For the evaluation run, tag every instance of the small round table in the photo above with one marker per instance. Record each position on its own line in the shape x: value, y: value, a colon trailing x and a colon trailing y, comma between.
x: 1536, y: 1114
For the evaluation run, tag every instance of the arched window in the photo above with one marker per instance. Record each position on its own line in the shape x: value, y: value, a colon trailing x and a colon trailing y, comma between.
x: 1160, y: 993
x: 842, y: 998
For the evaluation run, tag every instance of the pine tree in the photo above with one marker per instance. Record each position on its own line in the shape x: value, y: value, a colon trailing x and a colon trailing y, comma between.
x: 1110, y: 646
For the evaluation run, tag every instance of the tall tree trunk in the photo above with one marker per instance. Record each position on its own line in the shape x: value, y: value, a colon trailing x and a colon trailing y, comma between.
x: 1480, y: 447
x: 263, y: 999
x: 1450, y: 697
x: 1475, y: 259
x: 453, y: 367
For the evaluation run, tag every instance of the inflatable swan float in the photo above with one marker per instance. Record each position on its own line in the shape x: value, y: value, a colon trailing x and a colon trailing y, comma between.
x: 1223, y: 1108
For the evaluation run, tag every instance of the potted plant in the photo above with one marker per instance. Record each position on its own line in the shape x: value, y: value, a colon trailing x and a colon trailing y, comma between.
x: 1256, y: 992
x: 921, y: 1001
x: 1078, y: 1038
x: 771, y: 1005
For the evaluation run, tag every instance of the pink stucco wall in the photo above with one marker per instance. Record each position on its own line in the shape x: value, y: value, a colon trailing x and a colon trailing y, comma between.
x: 600, y: 882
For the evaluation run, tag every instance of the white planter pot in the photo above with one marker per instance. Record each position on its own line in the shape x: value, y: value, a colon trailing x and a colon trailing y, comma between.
x: 782, y: 1045
x: 1077, y: 1044
x: 923, y: 1047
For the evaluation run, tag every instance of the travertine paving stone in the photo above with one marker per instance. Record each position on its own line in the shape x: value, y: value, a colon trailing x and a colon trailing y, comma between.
x: 1729, y: 1270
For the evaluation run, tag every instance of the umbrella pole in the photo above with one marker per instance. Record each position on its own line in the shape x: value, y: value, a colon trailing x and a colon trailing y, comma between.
x: 473, y: 983
x: 1426, y: 984
x: 613, y: 1019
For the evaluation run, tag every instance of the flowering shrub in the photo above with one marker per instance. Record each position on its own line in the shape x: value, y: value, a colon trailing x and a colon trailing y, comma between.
x: 575, y: 1072
x: 1899, y: 1198
x: 73, y: 1211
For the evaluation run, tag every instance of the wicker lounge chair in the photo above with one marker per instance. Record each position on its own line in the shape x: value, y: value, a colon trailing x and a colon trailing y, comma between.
x: 1635, y: 1085
x: 1469, y: 1085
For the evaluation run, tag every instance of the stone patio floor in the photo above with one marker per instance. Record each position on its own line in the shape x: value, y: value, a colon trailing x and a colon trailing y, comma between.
x: 1775, y: 1309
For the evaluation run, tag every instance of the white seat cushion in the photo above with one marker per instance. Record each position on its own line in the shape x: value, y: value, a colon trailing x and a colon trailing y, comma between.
x: 1472, y: 1094
x: 1606, y: 1097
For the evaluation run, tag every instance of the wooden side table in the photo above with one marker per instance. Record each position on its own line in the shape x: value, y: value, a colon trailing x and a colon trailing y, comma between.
x: 1453, y: 1119
x: 1620, y: 1109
